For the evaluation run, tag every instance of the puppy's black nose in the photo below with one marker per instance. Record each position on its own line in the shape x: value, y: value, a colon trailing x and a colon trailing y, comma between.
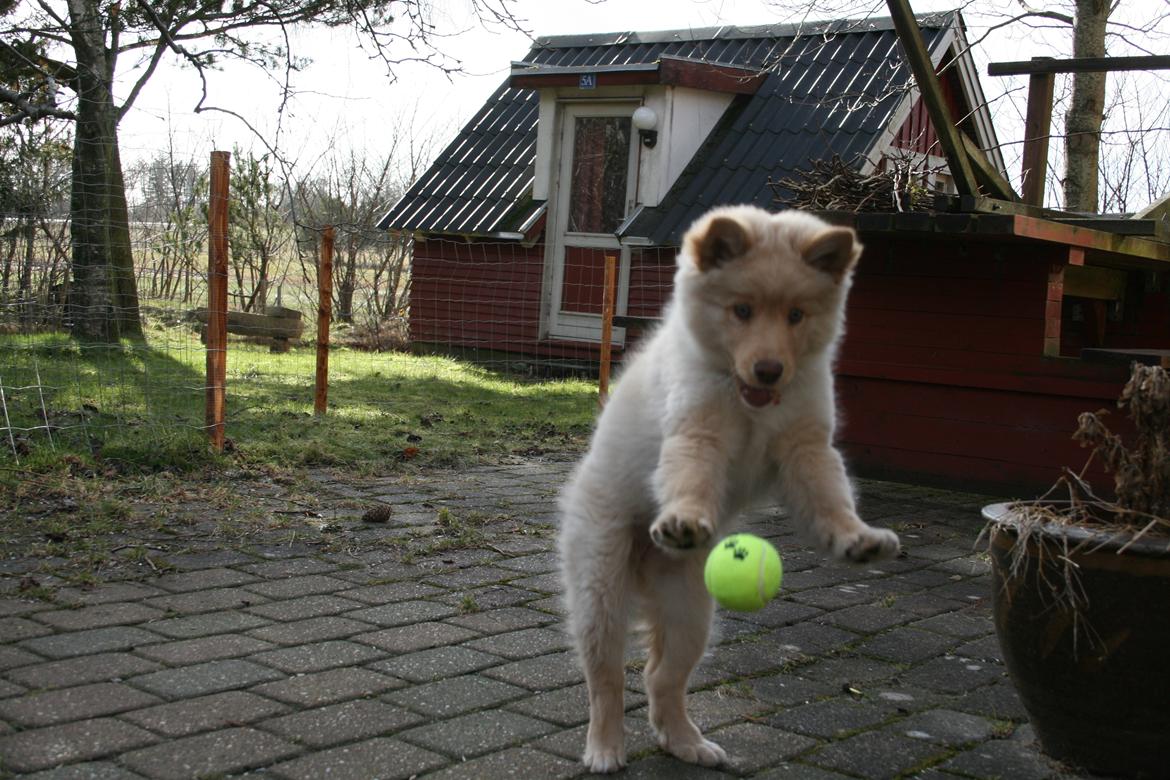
x: 768, y: 371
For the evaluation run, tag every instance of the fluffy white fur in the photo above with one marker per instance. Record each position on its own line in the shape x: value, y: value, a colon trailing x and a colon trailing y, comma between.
x: 730, y: 402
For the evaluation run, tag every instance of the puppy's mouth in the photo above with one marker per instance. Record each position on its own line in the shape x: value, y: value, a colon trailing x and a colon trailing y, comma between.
x: 757, y: 397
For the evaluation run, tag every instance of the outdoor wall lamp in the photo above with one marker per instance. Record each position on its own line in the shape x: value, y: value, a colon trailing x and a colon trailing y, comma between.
x: 646, y: 121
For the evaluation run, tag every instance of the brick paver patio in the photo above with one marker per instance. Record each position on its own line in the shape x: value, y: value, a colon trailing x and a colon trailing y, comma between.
x: 336, y: 655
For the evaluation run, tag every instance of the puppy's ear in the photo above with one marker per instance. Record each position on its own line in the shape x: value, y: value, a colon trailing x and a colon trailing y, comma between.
x: 834, y: 250
x: 723, y: 239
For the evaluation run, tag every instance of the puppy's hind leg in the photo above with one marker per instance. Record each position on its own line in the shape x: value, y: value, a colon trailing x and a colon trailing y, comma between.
x: 679, y: 613
x: 595, y: 559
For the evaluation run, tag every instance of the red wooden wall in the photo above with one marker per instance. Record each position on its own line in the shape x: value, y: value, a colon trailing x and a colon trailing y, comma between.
x: 941, y: 376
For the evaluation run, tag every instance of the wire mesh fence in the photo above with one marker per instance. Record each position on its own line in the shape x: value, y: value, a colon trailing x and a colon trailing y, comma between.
x: 410, y: 319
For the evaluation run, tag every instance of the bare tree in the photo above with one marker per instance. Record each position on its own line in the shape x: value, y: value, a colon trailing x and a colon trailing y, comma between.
x: 1061, y: 28
x: 33, y: 184
x: 86, y: 46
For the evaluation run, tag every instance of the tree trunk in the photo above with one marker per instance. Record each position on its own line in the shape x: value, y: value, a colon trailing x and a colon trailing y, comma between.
x: 1082, y: 143
x: 103, y: 301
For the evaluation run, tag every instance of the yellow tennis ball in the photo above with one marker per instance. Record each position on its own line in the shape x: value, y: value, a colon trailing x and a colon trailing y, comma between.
x: 743, y: 572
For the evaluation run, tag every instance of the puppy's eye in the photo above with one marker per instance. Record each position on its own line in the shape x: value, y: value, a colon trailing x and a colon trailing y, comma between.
x: 742, y: 310
x: 795, y: 316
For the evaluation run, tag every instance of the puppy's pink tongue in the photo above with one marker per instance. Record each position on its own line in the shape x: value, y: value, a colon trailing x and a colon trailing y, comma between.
x: 756, y: 396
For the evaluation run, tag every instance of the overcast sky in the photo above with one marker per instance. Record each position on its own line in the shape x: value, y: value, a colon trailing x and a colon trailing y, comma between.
x: 345, y: 100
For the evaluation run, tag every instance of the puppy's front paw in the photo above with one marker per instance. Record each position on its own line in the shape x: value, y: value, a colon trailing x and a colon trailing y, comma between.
x: 603, y: 760
x: 681, y: 529
x: 864, y: 545
x: 704, y: 752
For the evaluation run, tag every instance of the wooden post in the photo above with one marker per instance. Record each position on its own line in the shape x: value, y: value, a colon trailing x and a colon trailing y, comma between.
x: 1037, y: 129
x: 932, y: 97
x: 607, y: 305
x: 217, y: 283
x: 324, y: 315
x: 1052, y: 310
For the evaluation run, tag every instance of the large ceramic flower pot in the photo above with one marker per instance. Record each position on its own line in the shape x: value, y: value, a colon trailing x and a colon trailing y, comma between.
x: 1095, y: 682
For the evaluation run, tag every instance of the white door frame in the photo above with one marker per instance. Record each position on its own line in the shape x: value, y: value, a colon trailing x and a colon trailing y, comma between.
x: 575, y: 326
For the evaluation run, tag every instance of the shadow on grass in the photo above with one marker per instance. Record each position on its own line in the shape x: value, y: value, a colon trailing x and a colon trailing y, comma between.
x: 142, y: 408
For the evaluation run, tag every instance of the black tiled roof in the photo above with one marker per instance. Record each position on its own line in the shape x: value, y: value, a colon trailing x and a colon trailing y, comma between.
x: 831, y: 89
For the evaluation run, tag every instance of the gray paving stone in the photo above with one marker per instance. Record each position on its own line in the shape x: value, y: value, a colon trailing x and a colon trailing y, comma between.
x: 205, y: 713
x: 876, y: 754
x: 797, y: 771
x: 906, y: 645
x: 720, y: 706
x: 215, y: 753
x: 999, y: 701
x: 1002, y: 758
x: 869, y: 618
x: 346, y: 722
x: 491, y: 597
x: 67, y: 704
x: 751, y: 747
x: 809, y: 638
x: 81, y: 670
x: 319, y: 656
x: 16, y: 628
x: 542, y: 673
x: 304, y: 607
x: 315, y: 690
x: 317, y: 629
x: 186, y: 652
x: 539, y: 563
x: 566, y: 706
x: 946, y: 727
x: 383, y: 758
x: 473, y: 577
x: 782, y: 612
x: 522, y: 644
x: 295, y: 567
x: 205, y: 678
x: 26, y: 751
x: 17, y: 606
x: 8, y: 689
x: 13, y: 657
x: 208, y: 559
x: 965, y: 625
x: 91, y: 770
x: 393, y: 591
x: 99, y: 616
x: 456, y: 695
x: 209, y: 624
x: 295, y: 587
x: 789, y: 690
x: 523, y: 763
x: 952, y: 674
x: 658, y: 766
x: 186, y: 582
x: 98, y: 640
x: 850, y: 670
x: 420, y: 636
x: 753, y: 658
x: 436, y: 664
x: 832, y: 718
x: 476, y: 733
x: 105, y: 593
x: 404, y: 613
x: 206, y: 601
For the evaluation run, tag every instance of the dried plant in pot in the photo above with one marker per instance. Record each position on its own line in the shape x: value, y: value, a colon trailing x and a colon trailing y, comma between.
x: 1082, y: 596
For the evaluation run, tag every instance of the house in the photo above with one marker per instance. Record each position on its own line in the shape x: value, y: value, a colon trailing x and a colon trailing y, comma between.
x: 975, y: 336
x: 615, y: 143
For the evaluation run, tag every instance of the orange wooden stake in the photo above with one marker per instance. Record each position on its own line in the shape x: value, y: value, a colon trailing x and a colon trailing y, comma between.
x: 217, y: 283
x: 607, y: 303
x: 324, y: 315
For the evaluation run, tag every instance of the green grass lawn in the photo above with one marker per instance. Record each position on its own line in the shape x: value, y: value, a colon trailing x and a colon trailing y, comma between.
x: 139, y: 408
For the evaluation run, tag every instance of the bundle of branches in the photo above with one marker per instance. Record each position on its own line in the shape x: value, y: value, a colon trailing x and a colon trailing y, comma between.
x: 1141, y: 472
x: 835, y: 185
